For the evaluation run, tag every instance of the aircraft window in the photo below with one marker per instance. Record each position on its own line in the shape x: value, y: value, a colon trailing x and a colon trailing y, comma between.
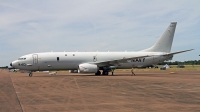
x: 73, y: 54
x: 65, y: 54
x: 22, y: 59
x: 57, y: 58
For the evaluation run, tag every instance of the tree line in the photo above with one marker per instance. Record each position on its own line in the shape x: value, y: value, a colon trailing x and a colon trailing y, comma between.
x: 191, y: 62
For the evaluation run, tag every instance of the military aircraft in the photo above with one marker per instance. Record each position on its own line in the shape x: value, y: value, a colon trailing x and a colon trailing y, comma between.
x: 100, y: 63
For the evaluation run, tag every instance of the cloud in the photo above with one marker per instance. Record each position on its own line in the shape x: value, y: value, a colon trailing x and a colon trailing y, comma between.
x: 41, y: 26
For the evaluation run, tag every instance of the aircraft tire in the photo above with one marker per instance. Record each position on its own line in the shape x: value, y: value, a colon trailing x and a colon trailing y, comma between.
x: 98, y: 73
x: 105, y: 73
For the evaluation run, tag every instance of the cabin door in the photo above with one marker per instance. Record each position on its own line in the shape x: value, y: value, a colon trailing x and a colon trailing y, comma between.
x: 35, y: 58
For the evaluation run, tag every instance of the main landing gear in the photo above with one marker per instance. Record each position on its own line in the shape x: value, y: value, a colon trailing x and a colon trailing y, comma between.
x: 98, y: 73
x: 105, y: 72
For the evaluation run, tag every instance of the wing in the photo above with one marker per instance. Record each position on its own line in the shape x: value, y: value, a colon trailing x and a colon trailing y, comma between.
x: 177, y: 52
x: 116, y: 61
x: 125, y: 60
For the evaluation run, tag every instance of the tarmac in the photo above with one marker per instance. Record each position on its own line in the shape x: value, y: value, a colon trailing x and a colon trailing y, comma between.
x: 160, y: 91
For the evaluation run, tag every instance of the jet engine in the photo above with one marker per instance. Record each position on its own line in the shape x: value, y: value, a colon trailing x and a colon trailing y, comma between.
x: 88, y: 68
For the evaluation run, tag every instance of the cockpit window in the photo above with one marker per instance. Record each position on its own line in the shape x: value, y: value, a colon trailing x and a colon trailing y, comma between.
x: 22, y: 59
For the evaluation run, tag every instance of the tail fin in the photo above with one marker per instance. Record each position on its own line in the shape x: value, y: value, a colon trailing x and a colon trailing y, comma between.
x: 164, y: 43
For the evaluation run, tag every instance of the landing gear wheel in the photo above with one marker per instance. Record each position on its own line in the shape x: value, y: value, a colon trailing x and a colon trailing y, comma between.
x: 105, y: 73
x: 98, y: 73
x: 30, y: 74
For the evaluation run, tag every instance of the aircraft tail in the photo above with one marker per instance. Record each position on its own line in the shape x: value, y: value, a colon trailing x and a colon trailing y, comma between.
x: 164, y: 43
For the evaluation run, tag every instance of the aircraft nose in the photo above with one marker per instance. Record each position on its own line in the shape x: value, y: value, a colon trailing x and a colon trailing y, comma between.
x: 13, y: 64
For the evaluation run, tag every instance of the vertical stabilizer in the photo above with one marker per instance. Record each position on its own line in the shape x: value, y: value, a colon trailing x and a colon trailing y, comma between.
x: 164, y: 43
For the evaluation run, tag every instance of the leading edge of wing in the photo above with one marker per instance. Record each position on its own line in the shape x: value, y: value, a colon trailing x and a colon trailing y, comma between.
x: 117, y: 61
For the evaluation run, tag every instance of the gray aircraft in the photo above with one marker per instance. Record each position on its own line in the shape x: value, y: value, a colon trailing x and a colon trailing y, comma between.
x: 100, y: 63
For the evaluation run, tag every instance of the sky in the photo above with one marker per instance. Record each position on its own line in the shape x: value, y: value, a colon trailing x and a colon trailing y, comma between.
x: 89, y: 25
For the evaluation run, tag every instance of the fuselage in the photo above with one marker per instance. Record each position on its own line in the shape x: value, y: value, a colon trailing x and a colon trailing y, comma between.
x: 71, y: 60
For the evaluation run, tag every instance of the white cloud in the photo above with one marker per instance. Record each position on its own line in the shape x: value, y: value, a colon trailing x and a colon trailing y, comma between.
x: 40, y: 26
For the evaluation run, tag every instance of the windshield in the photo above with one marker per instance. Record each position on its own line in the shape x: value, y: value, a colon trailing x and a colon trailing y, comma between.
x: 22, y: 59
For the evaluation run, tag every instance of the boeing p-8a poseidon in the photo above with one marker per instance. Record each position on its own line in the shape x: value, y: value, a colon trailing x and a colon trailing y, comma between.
x: 93, y: 62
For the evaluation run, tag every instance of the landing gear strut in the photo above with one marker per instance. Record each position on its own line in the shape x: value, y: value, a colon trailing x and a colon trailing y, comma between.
x: 30, y: 74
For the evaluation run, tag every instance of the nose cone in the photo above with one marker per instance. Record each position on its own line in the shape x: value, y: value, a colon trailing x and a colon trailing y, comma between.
x: 14, y: 64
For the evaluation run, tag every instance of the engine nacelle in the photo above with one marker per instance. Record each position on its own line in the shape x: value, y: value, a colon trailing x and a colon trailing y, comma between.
x: 73, y: 71
x: 88, y: 68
